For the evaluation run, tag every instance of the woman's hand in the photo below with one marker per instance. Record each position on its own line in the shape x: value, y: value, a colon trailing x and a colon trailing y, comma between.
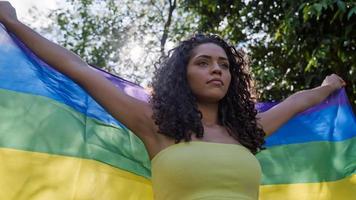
x: 275, y: 117
x: 334, y: 81
x: 7, y: 12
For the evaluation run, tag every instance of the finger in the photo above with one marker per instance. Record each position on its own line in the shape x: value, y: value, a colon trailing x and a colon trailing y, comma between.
x: 343, y: 83
x: 335, y: 76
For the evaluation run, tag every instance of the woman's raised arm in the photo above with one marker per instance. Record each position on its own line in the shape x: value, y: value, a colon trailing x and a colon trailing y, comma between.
x: 133, y: 113
x: 275, y: 117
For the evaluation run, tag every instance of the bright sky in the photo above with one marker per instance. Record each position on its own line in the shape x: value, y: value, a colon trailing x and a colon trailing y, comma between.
x: 22, y: 6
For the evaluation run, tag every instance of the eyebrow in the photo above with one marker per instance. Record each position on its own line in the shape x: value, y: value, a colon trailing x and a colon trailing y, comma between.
x: 209, y: 57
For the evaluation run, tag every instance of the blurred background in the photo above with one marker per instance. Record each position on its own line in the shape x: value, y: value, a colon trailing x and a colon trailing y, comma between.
x: 292, y: 45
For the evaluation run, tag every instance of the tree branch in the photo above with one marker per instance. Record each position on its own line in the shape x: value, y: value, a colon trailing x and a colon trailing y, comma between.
x: 172, y: 6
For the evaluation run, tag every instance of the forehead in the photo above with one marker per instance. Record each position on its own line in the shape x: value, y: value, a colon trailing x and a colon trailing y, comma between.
x: 209, y: 49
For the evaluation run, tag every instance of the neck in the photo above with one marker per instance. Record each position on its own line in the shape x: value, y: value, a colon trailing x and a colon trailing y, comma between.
x: 210, y: 113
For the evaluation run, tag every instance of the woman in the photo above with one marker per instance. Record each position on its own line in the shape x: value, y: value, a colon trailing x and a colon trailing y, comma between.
x: 200, y: 121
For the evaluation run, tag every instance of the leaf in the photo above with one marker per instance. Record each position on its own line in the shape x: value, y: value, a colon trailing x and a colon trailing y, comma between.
x: 306, y: 13
x: 318, y: 7
x: 301, y: 6
x: 312, y: 63
x: 334, y: 17
x: 341, y: 6
x: 351, y: 12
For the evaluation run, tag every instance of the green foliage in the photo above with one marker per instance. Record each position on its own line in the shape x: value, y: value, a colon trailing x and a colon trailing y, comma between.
x: 82, y: 28
x: 123, y: 37
x: 293, y: 44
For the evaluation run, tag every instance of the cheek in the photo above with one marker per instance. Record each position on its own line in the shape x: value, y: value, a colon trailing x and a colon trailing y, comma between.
x: 195, y: 78
x: 195, y: 84
x: 227, y: 77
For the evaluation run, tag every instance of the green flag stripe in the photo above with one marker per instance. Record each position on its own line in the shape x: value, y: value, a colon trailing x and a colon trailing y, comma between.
x: 302, y: 163
x: 39, y: 124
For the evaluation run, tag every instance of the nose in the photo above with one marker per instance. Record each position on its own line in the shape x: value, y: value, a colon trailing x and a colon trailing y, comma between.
x: 216, y: 69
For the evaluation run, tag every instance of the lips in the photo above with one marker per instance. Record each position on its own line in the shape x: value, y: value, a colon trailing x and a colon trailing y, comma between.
x: 215, y: 81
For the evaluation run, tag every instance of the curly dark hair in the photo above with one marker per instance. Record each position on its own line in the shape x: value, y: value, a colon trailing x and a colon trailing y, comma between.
x: 175, y: 110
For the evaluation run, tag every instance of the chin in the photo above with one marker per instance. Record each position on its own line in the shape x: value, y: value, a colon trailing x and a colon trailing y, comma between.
x: 213, y: 98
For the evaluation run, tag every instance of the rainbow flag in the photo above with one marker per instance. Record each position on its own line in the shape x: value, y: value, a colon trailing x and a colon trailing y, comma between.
x: 56, y: 142
x: 313, y: 156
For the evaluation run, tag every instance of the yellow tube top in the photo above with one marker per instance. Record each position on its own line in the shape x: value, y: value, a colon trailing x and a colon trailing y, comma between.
x: 200, y: 170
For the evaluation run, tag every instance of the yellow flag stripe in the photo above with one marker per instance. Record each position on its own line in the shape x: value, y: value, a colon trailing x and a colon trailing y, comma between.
x: 343, y: 189
x: 33, y: 175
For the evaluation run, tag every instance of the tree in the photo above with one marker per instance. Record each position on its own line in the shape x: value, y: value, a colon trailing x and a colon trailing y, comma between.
x: 125, y: 38
x: 92, y: 29
x: 293, y: 44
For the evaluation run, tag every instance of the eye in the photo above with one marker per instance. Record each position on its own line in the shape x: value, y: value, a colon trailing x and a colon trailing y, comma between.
x: 203, y: 63
x: 225, y: 65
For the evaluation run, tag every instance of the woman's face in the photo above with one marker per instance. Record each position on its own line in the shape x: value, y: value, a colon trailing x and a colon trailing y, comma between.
x: 208, y: 73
